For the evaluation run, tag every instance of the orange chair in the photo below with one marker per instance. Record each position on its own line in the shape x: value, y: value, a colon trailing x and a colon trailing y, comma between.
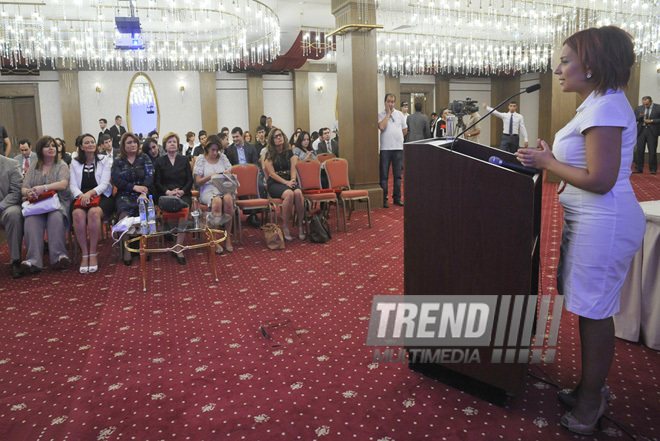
x: 309, y: 177
x: 248, y: 175
x: 337, y: 170
x: 322, y: 157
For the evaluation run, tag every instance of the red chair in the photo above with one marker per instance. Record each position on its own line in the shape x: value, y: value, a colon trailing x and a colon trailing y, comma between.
x: 248, y: 175
x: 337, y: 170
x: 322, y: 157
x: 309, y: 177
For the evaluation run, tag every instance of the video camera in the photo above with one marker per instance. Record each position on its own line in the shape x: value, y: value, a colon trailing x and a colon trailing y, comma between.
x: 461, y: 108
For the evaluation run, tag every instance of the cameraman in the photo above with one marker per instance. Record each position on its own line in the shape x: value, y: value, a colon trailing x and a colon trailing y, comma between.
x: 474, y: 132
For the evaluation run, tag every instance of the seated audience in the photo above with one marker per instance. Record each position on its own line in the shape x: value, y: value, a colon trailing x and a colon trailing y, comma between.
x: 49, y: 173
x: 27, y: 156
x: 188, y: 147
x: 11, y: 178
x: 150, y: 148
x: 133, y: 175
x: 60, y: 144
x: 173, y: 177
x: 282, y: 183
x: 247, y: 136
x: 105, y: 148
x: 214, y: 162
x: 199, y: 148
x: 90, y: 177
x: 303, y: 149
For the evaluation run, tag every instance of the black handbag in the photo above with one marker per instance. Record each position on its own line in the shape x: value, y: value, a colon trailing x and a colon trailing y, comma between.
x: 171, y: 204
x: 319, y: 230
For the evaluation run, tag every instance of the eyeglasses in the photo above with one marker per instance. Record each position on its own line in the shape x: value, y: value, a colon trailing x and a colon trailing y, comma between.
x: 279, y: 135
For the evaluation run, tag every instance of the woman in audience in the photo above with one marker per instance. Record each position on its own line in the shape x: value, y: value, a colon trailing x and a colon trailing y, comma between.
x: 48, y: 173
x: 603, y: 222
x: 214, y: 162
x: 150, y: 148
x: 247, y: 137
x: 280, y: 165
x: 303, y: 149
x: 294, y: 138
x: 174, y: 178
x: 133, y: 175
x: 189, y: 146
x: 61, y: 151
x: 90, y: 177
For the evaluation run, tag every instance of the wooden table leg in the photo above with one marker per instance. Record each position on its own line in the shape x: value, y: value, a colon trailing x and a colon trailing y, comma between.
x: 210, y: 239
x: 143, y: 261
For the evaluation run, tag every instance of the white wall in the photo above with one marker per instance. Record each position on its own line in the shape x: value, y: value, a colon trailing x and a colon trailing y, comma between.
x: 322, y: 104
x: 477, y: 89
x: 179, y: 112
x: 49, y: 99
x: 278, y: 101
x: 231, y: 91
x: 649, y: 82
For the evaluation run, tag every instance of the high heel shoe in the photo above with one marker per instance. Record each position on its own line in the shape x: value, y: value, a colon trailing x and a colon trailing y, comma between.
x: 84, y: 269
x: 287, y: 235
x: 569, y: 396
x: 575, y: 426
x: 93, y: 268
x: 229, y: 248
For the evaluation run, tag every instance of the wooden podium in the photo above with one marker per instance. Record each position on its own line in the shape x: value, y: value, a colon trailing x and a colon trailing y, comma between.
x: 472, y: 228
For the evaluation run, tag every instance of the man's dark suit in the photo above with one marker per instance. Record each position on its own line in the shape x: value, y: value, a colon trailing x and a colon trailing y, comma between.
x: 251, y: 154
x: 106, y: 131
x: 647, y: 134
x: 418, y: 127
x: 116, y: 135
x: 323, y: 148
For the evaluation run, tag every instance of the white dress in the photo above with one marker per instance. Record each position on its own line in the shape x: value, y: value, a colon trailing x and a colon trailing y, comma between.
x: 601, y: 233
x: 204, y: 168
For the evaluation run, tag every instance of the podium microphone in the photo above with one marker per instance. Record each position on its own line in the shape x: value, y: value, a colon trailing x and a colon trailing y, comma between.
x: 519, y: 168
x: 530, y: 89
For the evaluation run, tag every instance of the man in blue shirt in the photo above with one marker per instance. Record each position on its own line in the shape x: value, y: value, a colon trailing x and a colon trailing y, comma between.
x: 241, y: 152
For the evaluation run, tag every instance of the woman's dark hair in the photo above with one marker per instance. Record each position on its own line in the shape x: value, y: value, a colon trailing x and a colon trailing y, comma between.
x: 270, y: 145
x: 81, y: 153
x: 39, y: 150
x: 122, y: 144
x: 262, y: 120
x: 607, y: 52
x: 62, y: 152
x: 146, y: 146
x: 214, y: 140
x: 299, y: 141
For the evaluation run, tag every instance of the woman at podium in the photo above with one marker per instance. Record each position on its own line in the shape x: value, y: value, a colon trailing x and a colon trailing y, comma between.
x: 603, y: 222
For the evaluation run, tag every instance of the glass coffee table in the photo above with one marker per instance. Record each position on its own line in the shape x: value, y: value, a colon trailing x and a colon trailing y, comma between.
x: 148, y: 240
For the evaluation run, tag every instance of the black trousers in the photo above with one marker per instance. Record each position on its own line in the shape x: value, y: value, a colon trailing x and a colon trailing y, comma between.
x: 510, y: 144
x: 646, y: 138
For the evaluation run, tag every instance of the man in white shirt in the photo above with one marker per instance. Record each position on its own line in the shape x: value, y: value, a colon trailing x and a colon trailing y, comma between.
x: 27, y: 156
x: 393, y: 128
x: 514, y: 127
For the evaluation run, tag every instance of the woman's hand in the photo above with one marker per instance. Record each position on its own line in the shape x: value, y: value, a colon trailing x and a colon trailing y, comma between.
x: 539, y: 158
x: 292, y: 183
x: 85, y: 198
x: 141, y: 189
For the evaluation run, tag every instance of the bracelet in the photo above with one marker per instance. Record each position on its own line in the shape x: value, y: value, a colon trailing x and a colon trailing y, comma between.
x: 45, y: 188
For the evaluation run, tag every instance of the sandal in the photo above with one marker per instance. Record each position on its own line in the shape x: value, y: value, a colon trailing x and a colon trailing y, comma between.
x: 84, y: 268
x: 93, y: 268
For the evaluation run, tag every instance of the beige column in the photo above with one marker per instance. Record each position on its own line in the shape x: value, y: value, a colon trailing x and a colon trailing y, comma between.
x: 358, y: 103
x: 255, y: 89
x: 441, y: 93
x: 70, y: 107
x: 500, y: 88
x: 209, y: 102
x: 392, y: 85
x: 301, y: 96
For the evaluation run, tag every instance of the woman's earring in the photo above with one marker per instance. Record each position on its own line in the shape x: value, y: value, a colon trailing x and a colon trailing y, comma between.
x: 589, y: 75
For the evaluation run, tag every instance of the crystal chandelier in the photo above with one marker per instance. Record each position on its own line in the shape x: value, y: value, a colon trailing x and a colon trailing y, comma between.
x: 482, y: 37
x: 201, y: 35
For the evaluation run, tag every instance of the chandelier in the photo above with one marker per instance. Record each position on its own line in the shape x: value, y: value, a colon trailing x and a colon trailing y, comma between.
x: 203, y: 35
x: 484, y: 37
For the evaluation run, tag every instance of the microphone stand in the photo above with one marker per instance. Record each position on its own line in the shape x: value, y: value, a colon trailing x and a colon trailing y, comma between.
x: 534, y: 88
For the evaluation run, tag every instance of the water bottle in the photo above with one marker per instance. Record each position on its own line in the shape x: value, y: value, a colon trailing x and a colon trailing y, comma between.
x: 451, y: 127
x: 195, y: 212
x: 143, y: 213
x: 151, y: 213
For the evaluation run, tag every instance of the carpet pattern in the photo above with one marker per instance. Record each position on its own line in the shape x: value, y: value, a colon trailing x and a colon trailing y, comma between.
x: 92, y: 357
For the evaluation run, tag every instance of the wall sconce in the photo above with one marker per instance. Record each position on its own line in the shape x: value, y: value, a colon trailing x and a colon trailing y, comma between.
x: 319, y: 87
x: 182, y: 88
x: 98, y: 89
x: 98, y: 94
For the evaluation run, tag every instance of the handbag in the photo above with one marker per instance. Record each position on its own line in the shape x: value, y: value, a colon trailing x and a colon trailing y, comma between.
x: 274, y: 236
x: 171, y: 204
x: 42, y: 196
x: 225, y: 183
x: 43, y: 206
x: 94, y: 202
x: 319, y: 230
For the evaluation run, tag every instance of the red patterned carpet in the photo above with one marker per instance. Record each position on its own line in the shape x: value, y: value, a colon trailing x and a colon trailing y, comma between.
x: 94, y: 358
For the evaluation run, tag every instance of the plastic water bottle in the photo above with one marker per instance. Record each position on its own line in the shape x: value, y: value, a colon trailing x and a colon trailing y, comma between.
x: 151, y: 213
x: 195, y: 212
x: 143, y: 213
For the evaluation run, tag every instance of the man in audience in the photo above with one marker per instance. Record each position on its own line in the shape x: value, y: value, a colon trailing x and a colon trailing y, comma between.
x: 105, y: 147
x: 103, y: 123
x: 269, y: 125
x: 225, y: 130
x: 27, y: 156
x: 11, y: 218
x: 199, y: 148
x: 4, y: 140
x: 393, y: 128
x: 241, y: 152
x: 418, y: 125
x: 434, y: 120
x: 325, y: 145
x: 116, y: 131
x: 260, y: 143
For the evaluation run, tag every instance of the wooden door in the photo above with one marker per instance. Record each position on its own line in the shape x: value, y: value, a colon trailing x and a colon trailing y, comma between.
x: 19, y: 117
